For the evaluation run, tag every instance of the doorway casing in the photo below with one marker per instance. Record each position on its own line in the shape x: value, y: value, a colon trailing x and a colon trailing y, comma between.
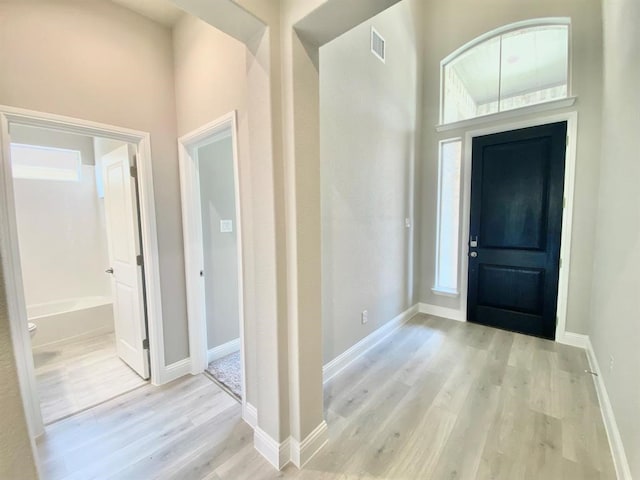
x: 194, y: 257
x: 9, y: 247
x: 567, y: 218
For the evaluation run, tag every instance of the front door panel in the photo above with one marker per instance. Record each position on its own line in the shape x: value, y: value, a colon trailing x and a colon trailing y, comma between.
x: 516, y: 218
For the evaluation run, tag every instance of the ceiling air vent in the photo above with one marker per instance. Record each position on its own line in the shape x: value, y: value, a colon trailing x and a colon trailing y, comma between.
x: 378, y: 45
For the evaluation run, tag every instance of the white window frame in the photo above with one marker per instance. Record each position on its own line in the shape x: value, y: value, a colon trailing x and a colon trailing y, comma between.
x: 439, y: 289
x: 536, y: 22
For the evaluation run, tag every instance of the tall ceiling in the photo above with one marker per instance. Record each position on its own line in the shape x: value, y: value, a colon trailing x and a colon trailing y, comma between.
x: 161, y: 11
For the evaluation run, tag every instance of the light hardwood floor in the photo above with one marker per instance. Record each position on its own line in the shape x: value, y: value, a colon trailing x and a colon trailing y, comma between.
x: 438, y: 400
x: 78, y: 374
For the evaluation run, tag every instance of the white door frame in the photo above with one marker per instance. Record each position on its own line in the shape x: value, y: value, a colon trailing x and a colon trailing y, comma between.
x: 567, y: 217
x: 10, y: 252
x: 192, y: 231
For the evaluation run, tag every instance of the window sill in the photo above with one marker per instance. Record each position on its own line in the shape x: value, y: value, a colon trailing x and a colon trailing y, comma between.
x: 516, y: 112
x: 445, y: 292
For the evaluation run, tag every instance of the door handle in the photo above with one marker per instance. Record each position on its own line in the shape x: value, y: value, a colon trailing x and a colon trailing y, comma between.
x: 109, y: 270
x: 473, y: 254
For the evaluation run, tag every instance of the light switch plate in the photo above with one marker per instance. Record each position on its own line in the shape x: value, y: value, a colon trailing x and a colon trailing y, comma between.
x: 226, y: 226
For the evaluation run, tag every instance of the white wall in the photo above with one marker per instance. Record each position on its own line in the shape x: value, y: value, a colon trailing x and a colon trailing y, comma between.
x: 614, y: 307
x: 367, y: 146
x: 217, y: 195
x: 450, y: 25
x: 62, y: 235
x: 98, y: 61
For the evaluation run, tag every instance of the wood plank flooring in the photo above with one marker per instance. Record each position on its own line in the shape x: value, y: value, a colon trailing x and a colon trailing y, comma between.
x: 78, y: 374
x: 438, y: 400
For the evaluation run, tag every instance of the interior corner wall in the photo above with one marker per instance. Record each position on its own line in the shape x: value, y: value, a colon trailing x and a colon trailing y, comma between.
x: 210, y: 70
x: 450, y: 25
x: 368, y: 149
x: 98, y: 61
x: 613, y: 323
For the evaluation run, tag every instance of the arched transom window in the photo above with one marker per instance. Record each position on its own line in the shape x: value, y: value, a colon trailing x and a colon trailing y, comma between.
x: 514, y: 66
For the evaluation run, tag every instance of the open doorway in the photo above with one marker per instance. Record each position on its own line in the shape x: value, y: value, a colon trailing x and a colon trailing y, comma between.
x: 212, y: 230
x: 78, y: 234
x: 79, y: 255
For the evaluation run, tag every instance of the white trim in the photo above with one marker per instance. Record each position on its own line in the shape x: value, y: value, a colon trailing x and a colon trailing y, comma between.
x: 175, y: 370
x: 223, y: 350
x: 445, y: 292
x: 573, y: 340
x: 250, y: 414
x: 502, y: 30
x: 192, y: 232
x: 620, y: 462
x: 443, y: 312
x: 342, y: 361
x: 567, y: 218
x: 508, y: 114
x: 303, y: 452
x: 277, y: 454
x: 9, y: 247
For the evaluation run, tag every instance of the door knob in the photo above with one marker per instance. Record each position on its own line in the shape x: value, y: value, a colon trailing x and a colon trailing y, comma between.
x: 109, y: 270
x: 473, y: 254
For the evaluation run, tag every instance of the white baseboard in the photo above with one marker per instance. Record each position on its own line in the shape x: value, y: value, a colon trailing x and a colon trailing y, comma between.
x: 302, y: 452
x: 277, y: 454
x: 613, y: 433
x: 339, y: 363
x: 223, y: 350
x: 250, y: 415
x: 443, y: 312
x: 574, y: 340
x: 173, y: 371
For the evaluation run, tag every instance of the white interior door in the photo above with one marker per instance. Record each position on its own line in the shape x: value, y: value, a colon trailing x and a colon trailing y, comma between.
x: 122, y: 232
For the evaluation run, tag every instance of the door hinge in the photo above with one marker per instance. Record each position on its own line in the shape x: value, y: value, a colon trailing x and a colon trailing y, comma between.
x: 145, y: 344
x: 139, y: 260
x: 560, y: 263
x: 133, y: 170
x: 567, y: 141
x: 564, y: 202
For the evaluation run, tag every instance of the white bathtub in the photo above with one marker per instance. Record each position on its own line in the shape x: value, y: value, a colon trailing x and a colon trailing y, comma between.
x: 66, y: 319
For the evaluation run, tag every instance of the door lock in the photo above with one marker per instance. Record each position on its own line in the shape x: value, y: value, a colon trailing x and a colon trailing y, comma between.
x: 473, y: 254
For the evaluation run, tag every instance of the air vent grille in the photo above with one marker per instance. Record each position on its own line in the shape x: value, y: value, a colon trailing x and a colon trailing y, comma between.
x: 378, y: 45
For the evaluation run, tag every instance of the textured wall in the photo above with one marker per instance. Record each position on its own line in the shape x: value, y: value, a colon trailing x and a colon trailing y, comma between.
x: 367, y: 145
x: 16, y: 455
x: 615, y: 308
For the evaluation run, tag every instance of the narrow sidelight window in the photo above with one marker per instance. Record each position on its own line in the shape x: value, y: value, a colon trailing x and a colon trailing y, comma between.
x: 448, y: 241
